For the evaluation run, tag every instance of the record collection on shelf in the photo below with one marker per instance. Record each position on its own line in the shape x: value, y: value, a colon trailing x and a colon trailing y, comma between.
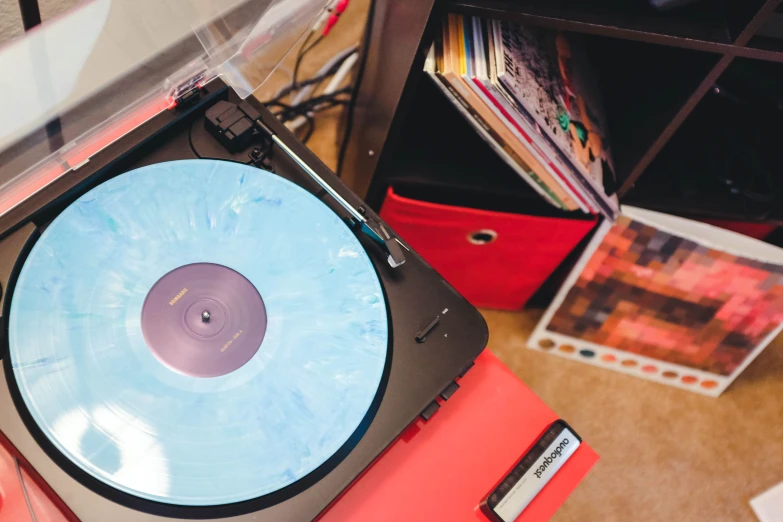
x: 531, y: 96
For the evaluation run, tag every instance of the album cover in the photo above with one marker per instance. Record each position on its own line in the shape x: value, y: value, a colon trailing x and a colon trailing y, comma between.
x: 474, y: 72
x: 548, y: 74
x: 593, y: 194
x: 668, y: 299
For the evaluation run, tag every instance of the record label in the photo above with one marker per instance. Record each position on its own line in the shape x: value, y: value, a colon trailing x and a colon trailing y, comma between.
x: 203, y: 320
x: 198, y: 333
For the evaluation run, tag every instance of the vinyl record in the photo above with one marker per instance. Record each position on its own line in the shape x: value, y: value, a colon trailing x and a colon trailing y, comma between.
x: 198, y: 333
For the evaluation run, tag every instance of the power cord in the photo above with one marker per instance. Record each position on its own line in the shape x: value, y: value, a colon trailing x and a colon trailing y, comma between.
x: 300, y: 112
x: 308, y: 108
x: 190, y: 142
x: 305, y: 87
x: 330, y: 89
x: 303, y: 50
x: 304, y: 102
x: 325, y: 24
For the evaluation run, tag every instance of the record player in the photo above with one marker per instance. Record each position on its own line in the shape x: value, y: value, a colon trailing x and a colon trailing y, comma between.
x: 119, y: 87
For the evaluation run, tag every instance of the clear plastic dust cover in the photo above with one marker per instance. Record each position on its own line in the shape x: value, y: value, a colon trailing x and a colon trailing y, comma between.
x: 107, y: 65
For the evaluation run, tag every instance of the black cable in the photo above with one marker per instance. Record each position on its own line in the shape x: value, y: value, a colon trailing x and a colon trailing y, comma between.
x: 311, y: 103
x: 310, y: 129
x: 293, y: 88
x: 314, y: 104
x: 302, y: 52
x: 288, y: 115
x: 318, y: 80
x: 359, y: 74
x: 315, y: 80
x: 31, y: 14
x: 299, y: 56
x: 316, y: 86
x: 31, y: 17
x: 190, y: 141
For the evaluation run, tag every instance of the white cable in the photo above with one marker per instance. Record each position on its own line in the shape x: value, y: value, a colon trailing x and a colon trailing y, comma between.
x: 328, y: 65
x: 24, y: 489
x: 332, y: 86
x: 341, y: 73
x: 300, y: 97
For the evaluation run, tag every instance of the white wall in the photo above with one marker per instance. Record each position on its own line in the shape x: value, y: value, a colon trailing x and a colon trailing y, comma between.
x: 11, y: 21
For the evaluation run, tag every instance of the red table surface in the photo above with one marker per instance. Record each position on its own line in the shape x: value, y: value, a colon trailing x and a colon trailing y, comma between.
x: 440, y: 470
x: 13, y: 504
x: 437, y: 470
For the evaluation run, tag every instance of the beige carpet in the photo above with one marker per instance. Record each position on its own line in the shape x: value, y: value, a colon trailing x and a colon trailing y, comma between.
x: 666, y: 454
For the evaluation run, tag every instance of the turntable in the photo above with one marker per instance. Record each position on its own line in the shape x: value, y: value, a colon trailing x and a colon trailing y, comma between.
x: 199, y: 320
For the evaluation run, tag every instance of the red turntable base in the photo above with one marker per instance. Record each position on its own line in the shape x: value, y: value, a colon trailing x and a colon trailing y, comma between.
x: 443, y: 468
x: 22, y: 491
x: 440, y: 469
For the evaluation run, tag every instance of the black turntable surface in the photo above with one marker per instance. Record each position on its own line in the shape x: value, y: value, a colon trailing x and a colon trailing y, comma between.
x: 413, y: 334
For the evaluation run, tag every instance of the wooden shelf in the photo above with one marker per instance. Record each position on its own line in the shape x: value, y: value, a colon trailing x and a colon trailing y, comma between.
x: 700, y: 27
x: 761, y: 48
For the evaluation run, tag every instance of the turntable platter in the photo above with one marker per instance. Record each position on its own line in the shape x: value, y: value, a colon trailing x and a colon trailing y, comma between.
x: 198, y: 333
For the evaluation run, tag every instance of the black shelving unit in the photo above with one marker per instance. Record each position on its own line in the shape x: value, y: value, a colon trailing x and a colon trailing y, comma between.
x: 655, y: 70
x: 440, y: 160
x: 724, y: 161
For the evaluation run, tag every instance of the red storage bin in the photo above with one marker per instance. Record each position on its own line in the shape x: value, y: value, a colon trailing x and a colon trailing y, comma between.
x: 494, y: 259
x: 748, y: 228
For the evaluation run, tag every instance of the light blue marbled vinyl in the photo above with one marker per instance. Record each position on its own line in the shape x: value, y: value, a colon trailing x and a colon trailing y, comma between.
x: 105, y: 401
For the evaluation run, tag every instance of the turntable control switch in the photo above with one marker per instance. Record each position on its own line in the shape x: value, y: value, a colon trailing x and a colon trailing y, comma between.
x: 430, y: 410
x: 449, y: 390
x: 421, y: 335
